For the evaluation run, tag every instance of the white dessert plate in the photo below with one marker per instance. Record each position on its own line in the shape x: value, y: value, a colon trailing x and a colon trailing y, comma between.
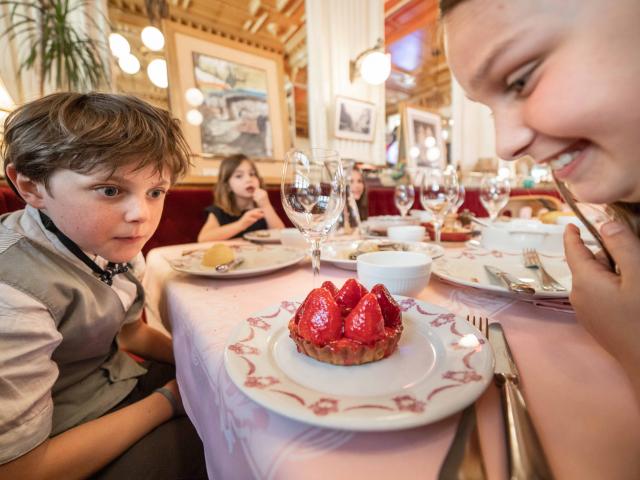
x: 271, y: 236
x: 442, y: 365
x: 466, y: 268
x: 258, y: 260
x: 338, y: 253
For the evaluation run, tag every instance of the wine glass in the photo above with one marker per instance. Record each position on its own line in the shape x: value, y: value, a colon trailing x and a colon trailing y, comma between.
x: 403, y: 196
x: 312, y: 192
x: 460, y: 199
x: 438, y: 193
x: 494, y: 194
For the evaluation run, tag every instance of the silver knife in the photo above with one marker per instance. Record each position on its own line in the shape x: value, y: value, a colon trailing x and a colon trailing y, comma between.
x: 509, y: 281
x: 526, y: 457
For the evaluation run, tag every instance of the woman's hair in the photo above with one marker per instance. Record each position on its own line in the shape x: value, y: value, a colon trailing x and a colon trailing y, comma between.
x: 628, y: 213
x: 223, y: 196
x: 92, y: 132
x: 363, y: 201
x: 446, y: 6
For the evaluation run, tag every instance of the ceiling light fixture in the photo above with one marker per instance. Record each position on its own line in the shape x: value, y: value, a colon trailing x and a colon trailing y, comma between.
x: 157, y: 72
x: 152, y: 38
x: 373, y: 65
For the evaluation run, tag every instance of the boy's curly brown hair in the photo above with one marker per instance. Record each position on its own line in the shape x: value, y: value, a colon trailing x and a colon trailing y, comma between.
x: 87, y: 132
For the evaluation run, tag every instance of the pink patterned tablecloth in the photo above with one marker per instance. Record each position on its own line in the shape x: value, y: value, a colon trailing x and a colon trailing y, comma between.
x: 580, y: 401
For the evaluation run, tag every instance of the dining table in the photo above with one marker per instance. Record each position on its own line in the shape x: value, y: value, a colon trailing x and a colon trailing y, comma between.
x: 581, y: 403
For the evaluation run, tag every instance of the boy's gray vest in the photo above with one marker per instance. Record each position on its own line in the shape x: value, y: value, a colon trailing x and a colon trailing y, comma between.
x: 93, y: 374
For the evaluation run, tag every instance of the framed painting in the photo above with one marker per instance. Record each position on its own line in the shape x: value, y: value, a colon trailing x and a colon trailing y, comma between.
x: 228, y: 96
x: 355, y: 119
x: 422, y: 137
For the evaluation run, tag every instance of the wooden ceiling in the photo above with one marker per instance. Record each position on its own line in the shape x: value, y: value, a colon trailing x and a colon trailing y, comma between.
x: 419, y: 72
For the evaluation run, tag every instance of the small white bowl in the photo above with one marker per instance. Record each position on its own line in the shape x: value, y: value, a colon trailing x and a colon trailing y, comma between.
x: 292, y: 237
x: 517, y: 234
x: 407, y: 233
x: 403, y: 273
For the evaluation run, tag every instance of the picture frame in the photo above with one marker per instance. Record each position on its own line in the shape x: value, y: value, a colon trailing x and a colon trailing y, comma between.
x: 243, y: 110
x: 422, y: 135
x: 354, y: 119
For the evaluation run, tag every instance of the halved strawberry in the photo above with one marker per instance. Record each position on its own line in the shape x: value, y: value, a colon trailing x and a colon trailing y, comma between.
x: 388, y: 305
x: 320, y: 320
x: 365, y: 322
x: 349, y: 295
x: 298, y: 313
x: 329, y: 285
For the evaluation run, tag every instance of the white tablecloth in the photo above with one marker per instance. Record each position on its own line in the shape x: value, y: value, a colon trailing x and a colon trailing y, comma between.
x: 580, y: 401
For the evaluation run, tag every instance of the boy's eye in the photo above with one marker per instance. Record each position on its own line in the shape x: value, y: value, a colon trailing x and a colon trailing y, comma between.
x: 108, y: 191
x: 156, y: 193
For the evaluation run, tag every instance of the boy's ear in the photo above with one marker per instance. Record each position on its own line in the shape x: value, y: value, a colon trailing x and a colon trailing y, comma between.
x: 30, y: 191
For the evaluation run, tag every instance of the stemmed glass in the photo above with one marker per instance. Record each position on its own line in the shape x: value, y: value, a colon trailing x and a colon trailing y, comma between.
x: 403, y: 196
x: 460, y: 199
x: 438, y: 193
x: 312, y: 192
x: 494, y: 194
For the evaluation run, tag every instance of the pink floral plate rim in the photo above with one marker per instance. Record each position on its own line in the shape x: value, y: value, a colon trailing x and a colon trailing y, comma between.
x: 465, y: 267
x: 442, y: 365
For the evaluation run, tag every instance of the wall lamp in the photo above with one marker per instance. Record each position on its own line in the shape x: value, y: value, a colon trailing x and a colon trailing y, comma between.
x: 373, y: 65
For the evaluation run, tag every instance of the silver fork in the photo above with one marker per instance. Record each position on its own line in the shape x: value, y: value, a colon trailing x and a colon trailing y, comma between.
x: 464, y: 458
x: 532, y: 260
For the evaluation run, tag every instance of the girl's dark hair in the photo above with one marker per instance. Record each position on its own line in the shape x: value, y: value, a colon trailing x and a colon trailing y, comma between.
x: 363, y: 201
x: 223, y: 196
x: 87, y: 132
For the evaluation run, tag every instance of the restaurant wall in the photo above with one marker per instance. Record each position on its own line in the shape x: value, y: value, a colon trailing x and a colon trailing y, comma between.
x: 337, y: 31
x: 473, y: 132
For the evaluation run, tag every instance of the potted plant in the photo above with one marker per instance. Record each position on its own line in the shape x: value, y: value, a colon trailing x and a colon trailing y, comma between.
x: 57, y: 49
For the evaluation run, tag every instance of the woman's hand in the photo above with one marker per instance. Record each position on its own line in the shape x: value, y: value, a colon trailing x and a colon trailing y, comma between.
x: 251, y: 216
x: 607, y: 304
x: 261, y: 197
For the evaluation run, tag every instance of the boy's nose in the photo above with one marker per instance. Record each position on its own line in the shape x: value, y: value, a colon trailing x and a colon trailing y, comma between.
x: 137, y: 210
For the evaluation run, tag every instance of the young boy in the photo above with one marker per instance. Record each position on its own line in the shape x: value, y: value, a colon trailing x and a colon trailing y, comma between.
x: 93, y: 170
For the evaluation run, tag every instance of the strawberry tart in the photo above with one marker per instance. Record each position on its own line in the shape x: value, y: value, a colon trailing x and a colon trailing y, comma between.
x: 350, y: 326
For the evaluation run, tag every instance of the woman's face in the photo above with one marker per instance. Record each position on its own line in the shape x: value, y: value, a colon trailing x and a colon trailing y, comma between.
x: 561, y: 78
x: 357, y: 184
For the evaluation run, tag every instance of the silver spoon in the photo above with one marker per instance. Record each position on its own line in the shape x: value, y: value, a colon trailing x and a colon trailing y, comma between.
x: 225, y: 267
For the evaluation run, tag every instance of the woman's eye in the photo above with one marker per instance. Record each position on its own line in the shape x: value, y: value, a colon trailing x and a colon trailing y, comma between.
x: 518, y: 85
x: 518, y: 81
x: 109, y: 191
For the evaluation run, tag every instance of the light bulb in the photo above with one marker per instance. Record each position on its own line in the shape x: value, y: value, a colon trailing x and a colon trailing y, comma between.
x: 194, y: 96
x: 194, y: 117
x: 414, y: 152
x: 157, y: 72
x: 430, y: 141
x: 152, y: 38
x: 375, y: 67
x: 129, y: 64
x: 433, y: 154
x: 119, y: 45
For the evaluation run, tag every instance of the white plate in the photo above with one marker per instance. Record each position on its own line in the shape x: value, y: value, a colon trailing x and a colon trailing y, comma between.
x: 466, y: 267
x: 441, y: 366
x: 337, y: 253
x: 258, y: 260
x: 378, y: 225
x: 263, y: 236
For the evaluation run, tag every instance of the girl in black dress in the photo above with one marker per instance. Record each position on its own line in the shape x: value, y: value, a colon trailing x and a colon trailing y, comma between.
x: 241, y: 205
